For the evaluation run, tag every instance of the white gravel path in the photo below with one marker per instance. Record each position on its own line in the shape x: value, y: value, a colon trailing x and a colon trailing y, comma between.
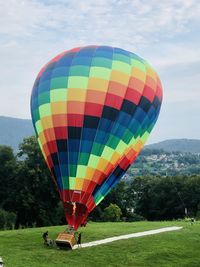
x: 115, y: 238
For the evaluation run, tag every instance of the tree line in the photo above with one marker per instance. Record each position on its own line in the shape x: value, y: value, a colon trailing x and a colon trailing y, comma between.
x: 28, y: 196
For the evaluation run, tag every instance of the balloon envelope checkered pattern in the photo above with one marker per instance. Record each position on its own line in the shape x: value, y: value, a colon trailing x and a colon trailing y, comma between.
x: 93, y: 108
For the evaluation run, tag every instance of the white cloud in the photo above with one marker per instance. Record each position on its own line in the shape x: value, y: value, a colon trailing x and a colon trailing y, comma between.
x: 34, y: 31
x: 114, y: 18
x: 177, y: 120
x: 174, y: 54
x: 178, y: 66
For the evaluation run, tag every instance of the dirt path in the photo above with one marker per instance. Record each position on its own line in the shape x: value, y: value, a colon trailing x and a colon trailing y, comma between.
x: 111, y: 239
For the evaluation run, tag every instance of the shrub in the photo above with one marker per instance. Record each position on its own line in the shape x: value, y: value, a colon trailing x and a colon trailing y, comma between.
x: 112, y: 213
x: 133, y: 217
x: 7, y: 219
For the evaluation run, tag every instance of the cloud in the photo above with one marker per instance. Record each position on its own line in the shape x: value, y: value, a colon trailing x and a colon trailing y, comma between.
x: 176, y: 53
x: 112, y: 20
x: 177, y: 64
x: 166, y: 33
x: 177, y: 120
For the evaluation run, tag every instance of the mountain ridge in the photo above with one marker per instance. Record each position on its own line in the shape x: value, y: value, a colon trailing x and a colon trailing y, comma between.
x: 180, y: 145
x: 15, y: 129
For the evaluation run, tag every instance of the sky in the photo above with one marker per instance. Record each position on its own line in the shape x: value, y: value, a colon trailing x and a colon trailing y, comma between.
x: 165, y: 33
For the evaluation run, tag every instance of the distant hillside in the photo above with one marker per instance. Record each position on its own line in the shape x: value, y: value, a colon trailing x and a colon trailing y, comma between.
x: 12, y: 131
x: 181, y: 145
x: 159, y: 162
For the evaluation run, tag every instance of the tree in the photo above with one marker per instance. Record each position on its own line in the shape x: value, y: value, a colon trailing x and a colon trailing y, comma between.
x: 112, y: 213
x: 192, y: 194
x: 120, y: 196
x: 165, y: 198
x: 8, y: 166
x: 2, y: 219
x: 7, y: 219
x: 117, y: 196
x: 36, y: 198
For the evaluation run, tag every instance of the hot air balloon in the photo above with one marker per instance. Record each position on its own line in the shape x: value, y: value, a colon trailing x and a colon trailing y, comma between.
x: 93, y: 108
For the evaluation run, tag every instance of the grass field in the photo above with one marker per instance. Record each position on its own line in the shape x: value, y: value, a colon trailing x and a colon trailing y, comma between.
x: 24, y: 248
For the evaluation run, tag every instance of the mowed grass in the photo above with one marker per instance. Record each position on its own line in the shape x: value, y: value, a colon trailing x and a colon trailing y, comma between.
x: 24, y: 248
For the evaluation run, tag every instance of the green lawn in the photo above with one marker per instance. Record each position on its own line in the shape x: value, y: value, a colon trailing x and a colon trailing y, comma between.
x: 24, y: 248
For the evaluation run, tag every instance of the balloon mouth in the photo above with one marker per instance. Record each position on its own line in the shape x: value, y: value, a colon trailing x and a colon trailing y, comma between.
x: 75, y: 213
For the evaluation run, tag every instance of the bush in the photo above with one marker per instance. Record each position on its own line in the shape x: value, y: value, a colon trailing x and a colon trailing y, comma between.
x: 133, y: 217
x: 112, y: 213
x: 2, y: 218
x: 7, y: 219
x: 198, y: 215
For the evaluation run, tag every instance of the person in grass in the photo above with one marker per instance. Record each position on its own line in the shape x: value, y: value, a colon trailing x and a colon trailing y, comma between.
x: 79, y: 240
x: 47, y: 240
x: 191, y: 221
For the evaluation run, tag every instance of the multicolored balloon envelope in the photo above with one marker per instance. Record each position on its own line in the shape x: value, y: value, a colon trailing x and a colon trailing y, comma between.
x: 93, y: 108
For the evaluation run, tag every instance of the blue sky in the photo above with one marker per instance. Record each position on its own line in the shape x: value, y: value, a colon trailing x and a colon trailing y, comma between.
x: 165, y: 33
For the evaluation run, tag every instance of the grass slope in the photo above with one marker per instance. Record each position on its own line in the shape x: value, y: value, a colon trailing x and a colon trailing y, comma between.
x: 24, y: 248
